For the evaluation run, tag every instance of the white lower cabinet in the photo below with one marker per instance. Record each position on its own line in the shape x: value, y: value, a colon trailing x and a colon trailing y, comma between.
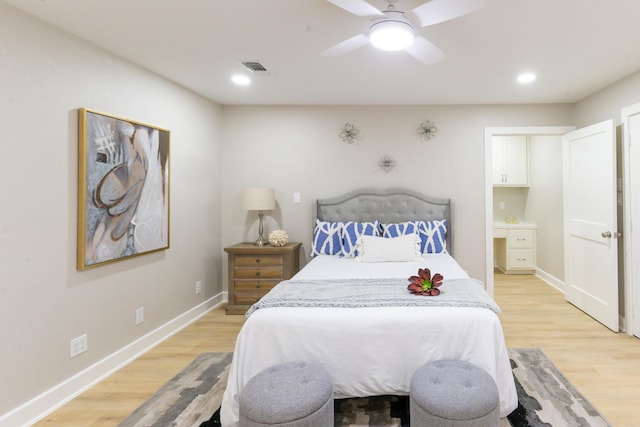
x: 515, y: 249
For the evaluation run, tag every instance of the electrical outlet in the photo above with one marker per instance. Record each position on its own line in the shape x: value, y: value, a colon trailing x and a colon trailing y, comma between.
x: 198, y: 287
x: 501, y: 205
x: 78, y: 345
x: 139, y: 315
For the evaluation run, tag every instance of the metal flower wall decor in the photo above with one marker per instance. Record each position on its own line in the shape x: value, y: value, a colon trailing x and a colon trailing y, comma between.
x: 350, y: 134
x: 387, y: 163
x: 426, y: 130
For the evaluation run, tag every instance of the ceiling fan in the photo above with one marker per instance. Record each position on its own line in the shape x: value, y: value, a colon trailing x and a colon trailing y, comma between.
x: 392, y: 25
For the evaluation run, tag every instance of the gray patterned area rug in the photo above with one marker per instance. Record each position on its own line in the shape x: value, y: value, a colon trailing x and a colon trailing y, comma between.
x: 189, y: 398
x: 545, y: 397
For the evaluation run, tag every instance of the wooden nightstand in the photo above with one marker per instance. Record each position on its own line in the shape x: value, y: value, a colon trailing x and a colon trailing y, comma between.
x: 254, y: 270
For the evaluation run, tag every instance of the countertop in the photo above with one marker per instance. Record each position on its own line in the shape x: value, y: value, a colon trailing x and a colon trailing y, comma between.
x: 502, y: 224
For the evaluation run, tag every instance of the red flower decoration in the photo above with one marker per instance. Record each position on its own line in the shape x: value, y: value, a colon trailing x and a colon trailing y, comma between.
x: 424, y: 284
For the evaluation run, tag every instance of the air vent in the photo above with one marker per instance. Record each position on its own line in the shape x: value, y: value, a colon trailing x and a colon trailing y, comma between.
x: 255, y: 67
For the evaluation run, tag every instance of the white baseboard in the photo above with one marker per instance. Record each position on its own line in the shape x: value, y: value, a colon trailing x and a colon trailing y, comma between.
x: 551, y: 280
x: 52, y: 399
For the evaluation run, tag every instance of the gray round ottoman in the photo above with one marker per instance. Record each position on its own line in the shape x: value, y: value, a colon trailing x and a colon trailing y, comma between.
x: 289, y: 394
x: 453, y: 393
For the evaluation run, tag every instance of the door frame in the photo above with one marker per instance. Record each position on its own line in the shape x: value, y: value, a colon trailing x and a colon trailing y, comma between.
x: 489, y: 132
x: 631, y: 322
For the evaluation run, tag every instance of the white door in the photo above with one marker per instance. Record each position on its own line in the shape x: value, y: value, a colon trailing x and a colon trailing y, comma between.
x: 590, y: 222
x: 631, y: 121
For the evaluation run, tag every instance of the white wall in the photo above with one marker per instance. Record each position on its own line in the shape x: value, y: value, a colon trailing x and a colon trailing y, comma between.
x: 514, y: 200
x: 608, y: 103
x: 544, y: 202
x: 45, y: 76
x: 297, y: 149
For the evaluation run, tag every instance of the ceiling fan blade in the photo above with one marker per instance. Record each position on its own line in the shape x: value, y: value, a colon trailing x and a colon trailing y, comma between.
x: 425, y: 51
x: 437, y: 11
x: 347, y: 46
x: 357, y: 7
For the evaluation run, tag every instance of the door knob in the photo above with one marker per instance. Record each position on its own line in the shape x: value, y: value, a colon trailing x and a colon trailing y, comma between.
x: 606, y: 234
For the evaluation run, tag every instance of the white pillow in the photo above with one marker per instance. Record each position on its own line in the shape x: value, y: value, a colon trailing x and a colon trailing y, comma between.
x: 385, y: 249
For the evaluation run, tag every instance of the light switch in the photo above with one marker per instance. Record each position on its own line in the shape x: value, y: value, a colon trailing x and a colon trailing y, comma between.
x: 296, y: 197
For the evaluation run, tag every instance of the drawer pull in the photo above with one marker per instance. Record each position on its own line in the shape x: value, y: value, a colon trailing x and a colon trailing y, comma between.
x: 257, y: 260
x: 257, y: 273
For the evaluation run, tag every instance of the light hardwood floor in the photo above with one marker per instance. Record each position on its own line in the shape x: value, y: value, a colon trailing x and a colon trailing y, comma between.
x: 603, y: 365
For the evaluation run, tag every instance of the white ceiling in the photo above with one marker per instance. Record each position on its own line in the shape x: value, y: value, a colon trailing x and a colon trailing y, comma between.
x: 576, y: 47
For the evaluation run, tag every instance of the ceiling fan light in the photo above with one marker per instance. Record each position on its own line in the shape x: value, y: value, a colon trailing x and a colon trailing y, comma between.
x: 240, y: 80
x: 391, y: 35
x: 526, y: 78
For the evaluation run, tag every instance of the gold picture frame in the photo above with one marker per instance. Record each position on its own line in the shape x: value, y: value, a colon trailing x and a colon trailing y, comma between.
x: 123, y: 188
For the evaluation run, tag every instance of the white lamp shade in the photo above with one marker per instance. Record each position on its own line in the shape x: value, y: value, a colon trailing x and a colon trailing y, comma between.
x: 259, y: 199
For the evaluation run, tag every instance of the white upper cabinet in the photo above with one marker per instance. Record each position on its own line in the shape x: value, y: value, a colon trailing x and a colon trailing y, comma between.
x: 510, y: 161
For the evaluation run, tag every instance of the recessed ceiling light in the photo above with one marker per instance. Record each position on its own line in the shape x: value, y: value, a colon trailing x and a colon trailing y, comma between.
x: 241, y: 80
x: 525, y: 78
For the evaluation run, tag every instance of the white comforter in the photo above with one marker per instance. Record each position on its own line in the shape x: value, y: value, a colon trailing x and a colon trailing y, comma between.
x: 371, y: 350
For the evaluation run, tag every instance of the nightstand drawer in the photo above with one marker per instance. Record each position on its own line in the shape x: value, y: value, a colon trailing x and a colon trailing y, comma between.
x: 255, y: 285
x: 247, y: 298
x: 258, y: 273
x: 258, y: 260
x: 249, y: 292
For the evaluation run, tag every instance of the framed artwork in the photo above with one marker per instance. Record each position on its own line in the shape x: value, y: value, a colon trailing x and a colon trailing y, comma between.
x: 123, y: 188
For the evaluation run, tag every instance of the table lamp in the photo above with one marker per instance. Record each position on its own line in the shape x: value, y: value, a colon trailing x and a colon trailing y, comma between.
x: 259, y: 199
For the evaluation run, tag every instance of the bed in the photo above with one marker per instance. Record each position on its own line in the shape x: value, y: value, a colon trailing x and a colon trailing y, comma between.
x: 373, y: 348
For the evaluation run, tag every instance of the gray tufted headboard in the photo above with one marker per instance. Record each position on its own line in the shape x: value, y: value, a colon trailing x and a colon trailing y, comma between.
x: 386, y: 206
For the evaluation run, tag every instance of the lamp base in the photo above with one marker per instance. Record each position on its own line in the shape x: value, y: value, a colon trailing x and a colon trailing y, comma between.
x: 261, y: 242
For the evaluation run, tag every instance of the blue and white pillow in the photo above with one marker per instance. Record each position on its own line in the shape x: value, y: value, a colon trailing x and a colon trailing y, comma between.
x: 433, y: 236
x: 327, y: 238
x: 352, y: 230
x: 399, y: 229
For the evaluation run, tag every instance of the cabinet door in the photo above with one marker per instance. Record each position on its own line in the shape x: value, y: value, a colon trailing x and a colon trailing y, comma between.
x: 499, y: 157
x: 510, y: 161
x: 516, y: 160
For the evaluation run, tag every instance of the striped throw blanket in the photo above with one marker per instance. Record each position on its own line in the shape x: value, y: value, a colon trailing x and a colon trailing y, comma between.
x: 354, y: 293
